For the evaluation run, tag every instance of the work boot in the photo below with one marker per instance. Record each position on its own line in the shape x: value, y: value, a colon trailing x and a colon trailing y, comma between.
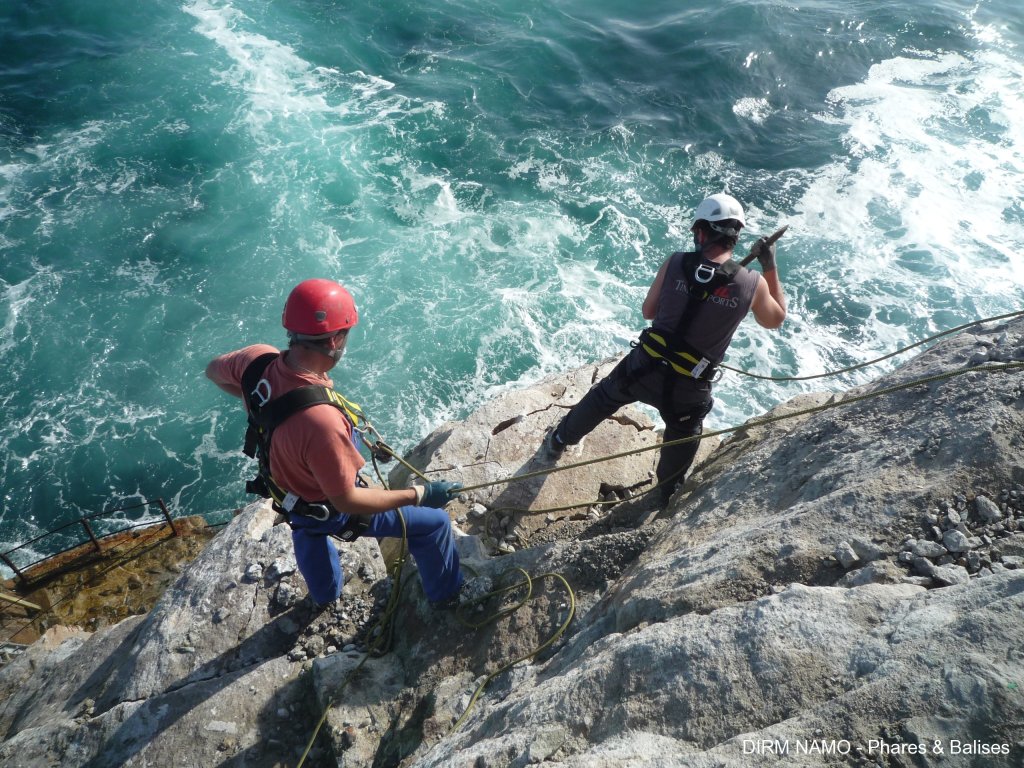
x: 666, y: 492
x: 450, y: 603
x: 472, y: 591
x: 553, y: 445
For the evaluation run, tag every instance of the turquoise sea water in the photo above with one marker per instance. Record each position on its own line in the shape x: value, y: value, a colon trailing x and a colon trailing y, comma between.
x: 496, y: 182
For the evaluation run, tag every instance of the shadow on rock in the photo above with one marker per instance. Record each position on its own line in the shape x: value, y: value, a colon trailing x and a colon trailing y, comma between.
x: 162, y: 710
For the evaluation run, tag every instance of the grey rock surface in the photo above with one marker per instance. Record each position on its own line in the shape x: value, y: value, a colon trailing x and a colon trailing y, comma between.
x: 714, y: 632
x: 502, y: 441
x: 205, y: 674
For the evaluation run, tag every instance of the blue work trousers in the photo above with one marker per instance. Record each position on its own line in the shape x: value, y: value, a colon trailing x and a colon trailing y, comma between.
x: 430, y: 539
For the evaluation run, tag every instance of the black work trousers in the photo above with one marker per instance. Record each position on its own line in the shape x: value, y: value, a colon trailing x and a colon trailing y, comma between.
x: 682, y: 401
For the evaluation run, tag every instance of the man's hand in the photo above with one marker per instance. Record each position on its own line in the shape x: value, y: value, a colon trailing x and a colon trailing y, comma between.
x: 765, y: 254
x: 435, y: 494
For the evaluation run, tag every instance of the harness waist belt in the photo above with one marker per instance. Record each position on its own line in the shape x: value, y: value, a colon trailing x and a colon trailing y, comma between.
x: 290, y: 504
x: 686, y: 362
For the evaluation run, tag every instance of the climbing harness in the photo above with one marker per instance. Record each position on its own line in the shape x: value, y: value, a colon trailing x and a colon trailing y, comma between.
x: 703, y: 280
x: 266, y: 414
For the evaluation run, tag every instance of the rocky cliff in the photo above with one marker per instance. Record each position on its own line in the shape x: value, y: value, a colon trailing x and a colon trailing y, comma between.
x: 839, y: 583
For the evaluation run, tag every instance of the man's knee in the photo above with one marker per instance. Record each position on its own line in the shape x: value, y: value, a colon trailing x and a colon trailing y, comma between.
x: 427, y: 520
x: 688, y: 420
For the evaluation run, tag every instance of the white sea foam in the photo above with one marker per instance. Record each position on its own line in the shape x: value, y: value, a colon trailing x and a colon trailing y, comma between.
x: 477, y: 271
x: 278, y: 83
x: 925, y: 202
x: 15, y: 299
x: 146, y: 276
x: 756, y: 110
x: 920, y: 178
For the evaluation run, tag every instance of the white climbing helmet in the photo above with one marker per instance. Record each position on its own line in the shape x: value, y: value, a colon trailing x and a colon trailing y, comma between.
x: 720, y: 207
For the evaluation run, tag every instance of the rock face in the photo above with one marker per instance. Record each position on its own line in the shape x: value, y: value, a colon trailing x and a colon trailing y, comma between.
x: 212, y: 672
x: 502, y: 442
x: 841, y: 584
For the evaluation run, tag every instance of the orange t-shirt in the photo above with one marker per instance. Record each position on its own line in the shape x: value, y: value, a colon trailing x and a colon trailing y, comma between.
x: 311, y: 454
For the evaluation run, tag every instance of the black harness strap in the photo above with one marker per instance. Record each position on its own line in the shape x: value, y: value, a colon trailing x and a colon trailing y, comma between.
x: 702, y: 281
x: 250, y: 381
x: 265, y: 415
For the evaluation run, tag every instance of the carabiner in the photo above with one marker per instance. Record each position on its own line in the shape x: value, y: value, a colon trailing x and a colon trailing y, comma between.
x: 320, y: 519
x: 710, y: 271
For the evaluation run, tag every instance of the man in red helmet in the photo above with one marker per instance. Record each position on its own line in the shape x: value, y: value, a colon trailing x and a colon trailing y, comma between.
x: 312, y: 472
x: 695, y: 303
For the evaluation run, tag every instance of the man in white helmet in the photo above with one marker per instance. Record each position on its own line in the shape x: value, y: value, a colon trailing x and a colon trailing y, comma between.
x: 695, y: 303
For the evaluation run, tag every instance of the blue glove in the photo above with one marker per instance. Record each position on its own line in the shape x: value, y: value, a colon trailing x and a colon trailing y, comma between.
x: 436, y: 494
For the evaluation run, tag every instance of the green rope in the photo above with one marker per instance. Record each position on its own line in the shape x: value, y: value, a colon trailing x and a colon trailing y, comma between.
x: 382, y: 639
x: 528, y: 582
x: 753, y: 423
x: 877, y: 359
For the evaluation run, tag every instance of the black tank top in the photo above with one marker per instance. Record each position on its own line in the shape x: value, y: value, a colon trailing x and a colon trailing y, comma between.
x: 712, y: 327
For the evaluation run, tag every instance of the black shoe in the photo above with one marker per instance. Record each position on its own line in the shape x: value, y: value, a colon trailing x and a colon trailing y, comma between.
x: 553, y: 445
x: 667, y: 492
x: 451, y: 602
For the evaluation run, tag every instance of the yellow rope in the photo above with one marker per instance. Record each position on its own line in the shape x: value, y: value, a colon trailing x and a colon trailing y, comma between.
x: 759, y: 422
x: 386, y: 629
x: 877, y: 359
x: 546, y: 644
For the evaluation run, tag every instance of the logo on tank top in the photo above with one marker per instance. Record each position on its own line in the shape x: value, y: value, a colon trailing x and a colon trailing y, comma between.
x: 724, y: 298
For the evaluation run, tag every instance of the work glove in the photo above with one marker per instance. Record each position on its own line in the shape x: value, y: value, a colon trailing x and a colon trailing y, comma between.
x: 435, y: 494
x: 765, y: 254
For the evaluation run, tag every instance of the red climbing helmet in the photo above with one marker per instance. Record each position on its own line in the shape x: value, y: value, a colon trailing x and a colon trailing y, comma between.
x: 318, y: 308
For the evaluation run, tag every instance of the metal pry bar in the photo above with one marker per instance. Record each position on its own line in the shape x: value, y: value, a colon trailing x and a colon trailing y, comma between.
x: 767, y: 241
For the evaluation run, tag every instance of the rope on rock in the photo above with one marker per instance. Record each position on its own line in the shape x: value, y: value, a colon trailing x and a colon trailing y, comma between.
x: 375, y: 438
x: 877, y: 359
x: 752, y: 424
x: 528, y: 583
x: 382, y: 633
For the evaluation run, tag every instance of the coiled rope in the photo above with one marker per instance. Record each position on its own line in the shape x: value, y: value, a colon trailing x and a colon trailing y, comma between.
x: 383, y: 631
x: 528, y: 582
